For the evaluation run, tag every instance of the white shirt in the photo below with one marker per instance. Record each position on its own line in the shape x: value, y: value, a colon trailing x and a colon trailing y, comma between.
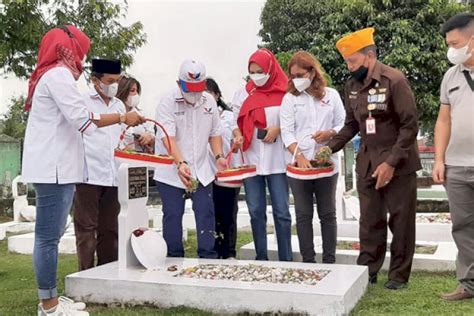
x: 269, y: 158
x: 227, y: 121
x: 53, y: 148
x: 191, y: 126
x: 147, y: 127
x: 304, y: 115
x: 101, y: 168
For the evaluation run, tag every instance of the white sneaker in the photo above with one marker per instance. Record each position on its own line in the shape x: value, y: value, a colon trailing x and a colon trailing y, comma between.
x: 62, y: 309
x: 78, y: 306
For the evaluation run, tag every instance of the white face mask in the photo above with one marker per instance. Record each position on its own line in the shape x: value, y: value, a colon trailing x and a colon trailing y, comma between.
x: 301, y: 84
x: 192, y: 97
x: 259, y: 79
x: 459, y: 55
x: 133, y: 100
x: 109, y: 90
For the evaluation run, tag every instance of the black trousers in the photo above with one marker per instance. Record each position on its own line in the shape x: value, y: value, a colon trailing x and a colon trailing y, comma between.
x: 324, y: 190
x: 226, y: 207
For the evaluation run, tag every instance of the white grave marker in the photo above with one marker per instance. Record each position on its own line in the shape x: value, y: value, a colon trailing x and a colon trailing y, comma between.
x: 133, y: 196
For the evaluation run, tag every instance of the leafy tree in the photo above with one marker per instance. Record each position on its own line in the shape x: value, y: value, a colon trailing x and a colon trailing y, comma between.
x: 23, y: 24
x: 407, y: 36
x: 14, y: 122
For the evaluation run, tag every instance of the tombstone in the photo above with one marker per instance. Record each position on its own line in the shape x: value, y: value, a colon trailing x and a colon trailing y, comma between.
x: 22, y: 212
x: 133, y: 195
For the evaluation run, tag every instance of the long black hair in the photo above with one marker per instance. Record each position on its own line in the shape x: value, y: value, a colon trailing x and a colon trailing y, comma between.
x: 212, y: 86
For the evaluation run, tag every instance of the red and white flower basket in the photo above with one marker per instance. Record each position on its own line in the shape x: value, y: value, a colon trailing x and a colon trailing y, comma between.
x: 233, y: 177
x: 318, y: 171
x: 126, y: 155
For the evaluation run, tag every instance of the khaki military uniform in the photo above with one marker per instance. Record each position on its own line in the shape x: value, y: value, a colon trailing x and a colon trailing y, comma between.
x: 383, y: 110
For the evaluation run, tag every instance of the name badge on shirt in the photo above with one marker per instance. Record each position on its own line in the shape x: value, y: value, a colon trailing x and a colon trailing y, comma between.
x: 370, y: 126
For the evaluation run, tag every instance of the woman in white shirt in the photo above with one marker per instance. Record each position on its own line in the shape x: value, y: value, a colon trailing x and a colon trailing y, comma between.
x: 129, y: 92
x: 53, y: 155
x: 225, y: 198
x: 310, y: 115
x: 259, y: 134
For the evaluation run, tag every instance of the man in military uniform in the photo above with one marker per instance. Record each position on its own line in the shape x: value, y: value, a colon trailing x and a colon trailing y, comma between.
x: 381, y: 106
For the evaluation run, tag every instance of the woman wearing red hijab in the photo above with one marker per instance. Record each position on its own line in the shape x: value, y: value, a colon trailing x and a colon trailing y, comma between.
x: 53, y: 155
x: 258, y: 133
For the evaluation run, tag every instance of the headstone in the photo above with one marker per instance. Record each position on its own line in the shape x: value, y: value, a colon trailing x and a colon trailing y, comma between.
x: 133, y: 195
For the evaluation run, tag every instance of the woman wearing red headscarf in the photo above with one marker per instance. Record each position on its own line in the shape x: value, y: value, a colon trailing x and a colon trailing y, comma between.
x: 258, y: 133
x: 53, y: 155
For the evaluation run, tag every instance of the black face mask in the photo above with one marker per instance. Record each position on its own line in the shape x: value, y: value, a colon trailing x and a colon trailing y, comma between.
x: 360, y: 74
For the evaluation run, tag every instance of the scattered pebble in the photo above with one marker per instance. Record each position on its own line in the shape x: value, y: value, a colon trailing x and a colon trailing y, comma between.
x: 253, y: 273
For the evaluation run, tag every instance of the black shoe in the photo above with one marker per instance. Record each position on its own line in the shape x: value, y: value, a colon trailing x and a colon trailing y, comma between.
x: 373, y: 278
x: 395, y: 285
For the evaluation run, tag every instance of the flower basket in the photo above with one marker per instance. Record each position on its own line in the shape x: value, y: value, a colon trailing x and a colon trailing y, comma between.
x: 134, y: 158
x: 233, y: 176
x: 318, y: 170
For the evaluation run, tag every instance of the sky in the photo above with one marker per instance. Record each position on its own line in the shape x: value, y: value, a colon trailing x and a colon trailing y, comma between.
x: 221, y: 34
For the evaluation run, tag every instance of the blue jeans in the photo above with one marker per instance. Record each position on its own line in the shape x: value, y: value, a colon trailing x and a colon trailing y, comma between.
x: 53, y: 203
x: 256, y: 198
x: 173, y: 210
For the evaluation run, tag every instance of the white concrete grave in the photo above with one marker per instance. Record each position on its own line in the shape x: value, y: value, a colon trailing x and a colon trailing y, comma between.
x: 24, y: 243
x: 443, y: 259
x: 127, y: 282
x: 336, y: 294
x: 24, y: 215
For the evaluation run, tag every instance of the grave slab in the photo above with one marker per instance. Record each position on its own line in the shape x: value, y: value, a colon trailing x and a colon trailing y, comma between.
x: 24, y: 243
x: 3, y: 233
x: 444, y: 258
x: 336, y: 294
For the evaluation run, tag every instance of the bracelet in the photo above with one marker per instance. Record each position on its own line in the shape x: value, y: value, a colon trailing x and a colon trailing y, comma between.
x: 219, y: 156
x: 181, y: 162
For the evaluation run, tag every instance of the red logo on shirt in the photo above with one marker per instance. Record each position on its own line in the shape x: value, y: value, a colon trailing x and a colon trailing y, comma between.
x: 208, y: 110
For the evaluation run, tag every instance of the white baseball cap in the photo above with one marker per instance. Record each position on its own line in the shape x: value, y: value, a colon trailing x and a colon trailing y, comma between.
x: 192, y: 76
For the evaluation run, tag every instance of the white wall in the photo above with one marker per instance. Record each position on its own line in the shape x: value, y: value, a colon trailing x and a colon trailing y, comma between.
x: 221, y: 34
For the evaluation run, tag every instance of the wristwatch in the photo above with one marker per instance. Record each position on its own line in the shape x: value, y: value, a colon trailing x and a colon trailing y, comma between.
x: 181, y: 162
x: 123, y: 117
x: 218, y: 156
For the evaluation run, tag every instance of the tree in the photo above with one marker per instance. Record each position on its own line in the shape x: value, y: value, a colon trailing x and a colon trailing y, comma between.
x: 407, y: 36
x: 14, y: 122
x: 23, y: 23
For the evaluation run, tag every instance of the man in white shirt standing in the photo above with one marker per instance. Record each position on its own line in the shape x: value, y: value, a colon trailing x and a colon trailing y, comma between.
x: 191, y: 118
x: 96, y: 205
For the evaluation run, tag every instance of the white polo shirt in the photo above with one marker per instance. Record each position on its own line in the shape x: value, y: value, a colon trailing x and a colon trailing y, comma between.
x: 269, y: 158
x: 53, y: 149
x: 101, y: 168
x: 191, y: 126
x: 303, y: 115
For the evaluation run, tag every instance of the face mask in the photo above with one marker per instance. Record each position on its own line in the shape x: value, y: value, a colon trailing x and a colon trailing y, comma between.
x: 301, y: 84
x: 360, y: 73
x: 259, y: 79
x: 109, y: 90
x: 192, y: 97
x: 459, y: 55
x: 133, y: 100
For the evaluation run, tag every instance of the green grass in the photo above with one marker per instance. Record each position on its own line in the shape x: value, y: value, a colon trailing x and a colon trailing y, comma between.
x: 18, y: 290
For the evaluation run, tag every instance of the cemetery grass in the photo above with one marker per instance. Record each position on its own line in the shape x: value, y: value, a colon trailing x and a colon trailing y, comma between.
x: 18, y: 290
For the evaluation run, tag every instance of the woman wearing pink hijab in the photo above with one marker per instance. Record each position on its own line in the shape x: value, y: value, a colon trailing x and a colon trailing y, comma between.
x: 258, y: 133
x: 53, y: 155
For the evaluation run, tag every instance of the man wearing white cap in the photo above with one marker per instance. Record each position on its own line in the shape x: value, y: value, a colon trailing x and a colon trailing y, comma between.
x: 191, y: 118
